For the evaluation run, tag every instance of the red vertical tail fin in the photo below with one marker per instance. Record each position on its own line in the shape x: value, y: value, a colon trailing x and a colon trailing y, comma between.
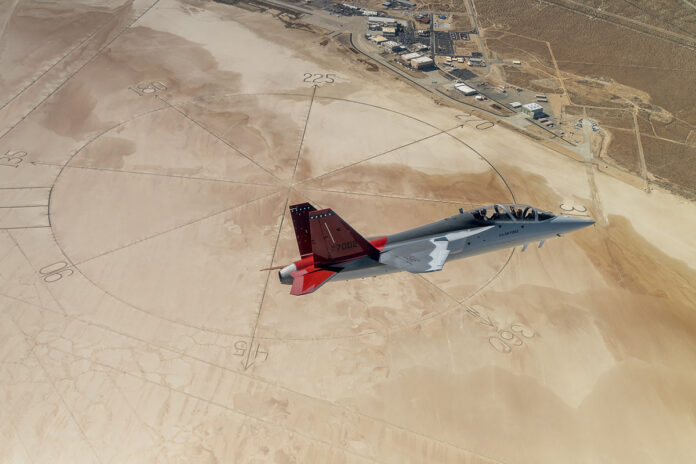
x: 300, y: 221
x: 334, y: 241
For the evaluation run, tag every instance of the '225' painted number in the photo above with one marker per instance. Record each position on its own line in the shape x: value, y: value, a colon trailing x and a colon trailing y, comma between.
x: 319, y: 78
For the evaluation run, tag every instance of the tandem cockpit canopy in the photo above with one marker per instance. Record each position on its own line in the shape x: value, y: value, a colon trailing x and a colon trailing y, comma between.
x: 510, y: 212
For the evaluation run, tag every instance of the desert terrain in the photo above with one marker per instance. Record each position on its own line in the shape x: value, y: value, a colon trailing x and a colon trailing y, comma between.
x: 629, y: 66
x: 148, y: 155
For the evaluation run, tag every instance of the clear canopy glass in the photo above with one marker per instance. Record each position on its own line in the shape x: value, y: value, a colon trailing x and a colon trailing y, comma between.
x: 510, y: 212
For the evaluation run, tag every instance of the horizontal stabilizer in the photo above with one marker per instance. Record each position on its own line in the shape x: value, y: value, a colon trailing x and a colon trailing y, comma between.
x: 427, y: 255
x: 309, y: 279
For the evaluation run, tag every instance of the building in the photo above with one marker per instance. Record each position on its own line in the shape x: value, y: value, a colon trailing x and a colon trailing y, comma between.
x: 421, y: 62
x: 419, y: 47
x: 534, y: 110
x: 389, y: 31
x: 465, y: 89
x: 476, y: 62
x: 392, y: 46
x: 369, y: 13
x: 405, y: 3
x: 517, y: 62
x: 407, y: 57
x: 378, y: 39
x: 515, y: 105
x: 379, y: 21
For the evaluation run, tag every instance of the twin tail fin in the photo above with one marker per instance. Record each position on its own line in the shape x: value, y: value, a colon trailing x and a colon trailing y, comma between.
x: 329, y: 240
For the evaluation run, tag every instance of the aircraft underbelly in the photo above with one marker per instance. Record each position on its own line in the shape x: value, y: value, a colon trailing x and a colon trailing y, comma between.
x: 459, y: 249
x: 363, y: 272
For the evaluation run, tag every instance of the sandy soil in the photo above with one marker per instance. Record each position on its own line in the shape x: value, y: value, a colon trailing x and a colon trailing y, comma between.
x: 137, y: 327
x: 624, y: 62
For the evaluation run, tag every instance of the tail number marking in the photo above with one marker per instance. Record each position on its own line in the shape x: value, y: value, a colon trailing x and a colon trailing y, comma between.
x: 345, y: 245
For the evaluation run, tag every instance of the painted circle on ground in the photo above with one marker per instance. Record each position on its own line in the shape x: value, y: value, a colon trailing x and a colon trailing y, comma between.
x: 174, y: 212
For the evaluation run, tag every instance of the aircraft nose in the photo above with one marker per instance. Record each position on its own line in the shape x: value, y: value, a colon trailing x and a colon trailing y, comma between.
x: 566, y: 224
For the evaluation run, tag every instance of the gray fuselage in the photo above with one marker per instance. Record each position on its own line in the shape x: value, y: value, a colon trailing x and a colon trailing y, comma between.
x: 467, y: 234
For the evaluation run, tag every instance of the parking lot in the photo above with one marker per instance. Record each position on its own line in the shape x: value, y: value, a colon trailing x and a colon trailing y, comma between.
x: 409, y: 36
x: 443, y: 43
x: 459, y: 36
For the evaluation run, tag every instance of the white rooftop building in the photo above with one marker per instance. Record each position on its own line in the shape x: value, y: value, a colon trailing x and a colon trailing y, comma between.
x: 533, y: 109
x: 407, y: 57
x: 391, y: 45
x: 421, y: 62
x: 380, y: 20
x: 465, y: 89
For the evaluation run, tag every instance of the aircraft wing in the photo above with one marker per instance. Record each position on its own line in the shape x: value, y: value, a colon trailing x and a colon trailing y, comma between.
x: 309, y: 279
x: 427, y: 255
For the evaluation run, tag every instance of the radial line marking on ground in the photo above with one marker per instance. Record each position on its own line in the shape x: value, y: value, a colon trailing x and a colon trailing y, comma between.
x: 381, y: 154
x: 254, y: 378
x: 214, y: 403
x: 245, y: 363
x: 65, y: 313
x: 225, y: 142
x: 78, y: 70
x: 304, y: 131
x: 175, y: 176
x: 217, y: 213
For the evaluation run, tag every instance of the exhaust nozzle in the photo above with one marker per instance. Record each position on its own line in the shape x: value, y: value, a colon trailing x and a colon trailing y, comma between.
x: 284, y: 274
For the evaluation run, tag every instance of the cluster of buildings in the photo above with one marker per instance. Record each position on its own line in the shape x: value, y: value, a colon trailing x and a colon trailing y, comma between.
x: 389, y: 27
x: 387, y: 44
x: 416, y: 60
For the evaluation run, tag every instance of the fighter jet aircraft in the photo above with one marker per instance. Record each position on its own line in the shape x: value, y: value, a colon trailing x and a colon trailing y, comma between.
x: 330, y: 249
